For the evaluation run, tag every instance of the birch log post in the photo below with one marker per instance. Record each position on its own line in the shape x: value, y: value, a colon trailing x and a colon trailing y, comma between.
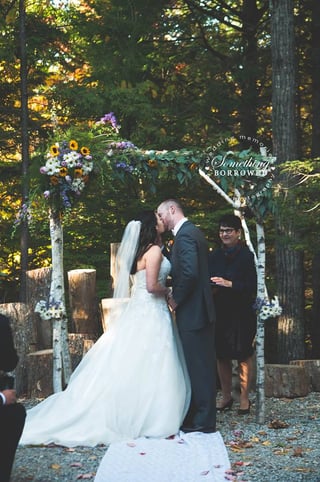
x: 61, y: 355
x: 261, y: 293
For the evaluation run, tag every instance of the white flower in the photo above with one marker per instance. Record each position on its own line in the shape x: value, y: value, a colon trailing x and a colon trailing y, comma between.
x: 52, y: 166
x: 87, y: 167
x: 270, y: 309
x: 77, y: 185
x: 71, y: 158
x: 48, y: 311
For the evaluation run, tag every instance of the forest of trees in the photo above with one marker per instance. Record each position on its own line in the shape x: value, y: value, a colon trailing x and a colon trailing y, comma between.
x: 178, y: 74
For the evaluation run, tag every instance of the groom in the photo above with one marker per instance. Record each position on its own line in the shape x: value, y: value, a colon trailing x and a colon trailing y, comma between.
x: 191, y: 299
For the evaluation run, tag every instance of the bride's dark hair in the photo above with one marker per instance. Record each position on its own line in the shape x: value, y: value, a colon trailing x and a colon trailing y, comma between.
x: 148, y: 235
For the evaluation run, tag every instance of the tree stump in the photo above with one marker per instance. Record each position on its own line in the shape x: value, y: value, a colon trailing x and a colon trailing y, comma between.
x: 313, y: 370
x: 38, y: 283
x: 78, y: 346
x: 24, y: 337
x: 288, y: 381
x: 84, y: 307
x: 40, y: 367
x: 112, y: 306
x: 87, y: 345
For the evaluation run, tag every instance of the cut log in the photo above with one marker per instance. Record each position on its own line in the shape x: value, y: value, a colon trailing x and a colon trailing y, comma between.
x: 288, y: 381
x: 40, y: 373
x: 84, y: 306
x: 38, y: 283
x: 40, y: 369
x: 77, y: 343
x: 112, y: 306
x: 24, y: 337
x: 313, y: 370
x: 87, y: 345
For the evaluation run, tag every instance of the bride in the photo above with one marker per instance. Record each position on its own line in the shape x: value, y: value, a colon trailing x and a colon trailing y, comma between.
x: 133, y: 382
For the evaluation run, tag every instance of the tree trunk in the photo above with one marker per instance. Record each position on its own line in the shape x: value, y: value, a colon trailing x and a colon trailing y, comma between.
x: 289, y: 260
x: 283, y: 80
x: 290, y: 287
x: 248, y: 81
x: 315, y: 58
x: 24, y: 240
x: 315, y: 152
x: 315, y: 322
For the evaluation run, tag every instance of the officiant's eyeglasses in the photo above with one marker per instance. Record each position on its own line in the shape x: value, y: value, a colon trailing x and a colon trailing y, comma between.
x: 226, y: 230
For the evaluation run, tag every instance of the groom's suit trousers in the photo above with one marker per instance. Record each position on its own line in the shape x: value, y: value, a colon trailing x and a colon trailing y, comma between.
x: 12, y: 418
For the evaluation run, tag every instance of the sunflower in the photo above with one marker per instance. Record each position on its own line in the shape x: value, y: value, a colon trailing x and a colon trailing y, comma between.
x: 54, y: 150
x: 152, y: 163
x: 73, y: 145
x: 78, y: 172
x: 85, y: 151
x: 63, y: 171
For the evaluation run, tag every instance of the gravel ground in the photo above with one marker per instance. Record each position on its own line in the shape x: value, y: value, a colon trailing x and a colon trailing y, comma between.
x: 285, y: 448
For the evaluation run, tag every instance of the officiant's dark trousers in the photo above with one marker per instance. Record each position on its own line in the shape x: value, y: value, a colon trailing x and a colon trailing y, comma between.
x: 12, y: 418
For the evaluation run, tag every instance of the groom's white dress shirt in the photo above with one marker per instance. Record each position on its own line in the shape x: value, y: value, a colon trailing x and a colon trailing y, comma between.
x: 178, y: 226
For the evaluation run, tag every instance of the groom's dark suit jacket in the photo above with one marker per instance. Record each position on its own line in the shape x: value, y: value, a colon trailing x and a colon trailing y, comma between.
x: 190, y: 276
x: 8, y: 354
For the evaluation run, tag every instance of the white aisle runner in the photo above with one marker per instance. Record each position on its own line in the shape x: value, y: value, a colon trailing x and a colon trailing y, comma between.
x: 189, y: 457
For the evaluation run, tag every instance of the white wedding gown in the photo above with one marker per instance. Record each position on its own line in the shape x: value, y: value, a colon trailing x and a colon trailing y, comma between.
x: 132, y: 383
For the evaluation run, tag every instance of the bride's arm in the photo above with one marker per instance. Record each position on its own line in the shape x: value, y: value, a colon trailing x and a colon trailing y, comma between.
x: 153, y: 258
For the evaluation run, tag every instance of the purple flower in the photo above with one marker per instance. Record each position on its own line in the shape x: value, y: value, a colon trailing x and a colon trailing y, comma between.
x: 110, y: 119
x: 122, y: 145
x: 124, y: 166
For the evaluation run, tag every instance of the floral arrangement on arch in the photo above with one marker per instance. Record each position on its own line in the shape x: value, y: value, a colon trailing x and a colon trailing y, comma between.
x: 268, y: 309
x: 67, y: 168
x: 50, y: 310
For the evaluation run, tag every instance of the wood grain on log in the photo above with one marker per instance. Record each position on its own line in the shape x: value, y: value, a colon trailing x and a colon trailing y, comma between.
x: 288, y: 381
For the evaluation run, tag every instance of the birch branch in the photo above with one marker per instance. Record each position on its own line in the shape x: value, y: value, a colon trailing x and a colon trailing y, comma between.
x: 218, y: 189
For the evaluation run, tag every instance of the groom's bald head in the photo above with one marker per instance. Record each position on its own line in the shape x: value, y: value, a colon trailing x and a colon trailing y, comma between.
x: 170, y: 212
